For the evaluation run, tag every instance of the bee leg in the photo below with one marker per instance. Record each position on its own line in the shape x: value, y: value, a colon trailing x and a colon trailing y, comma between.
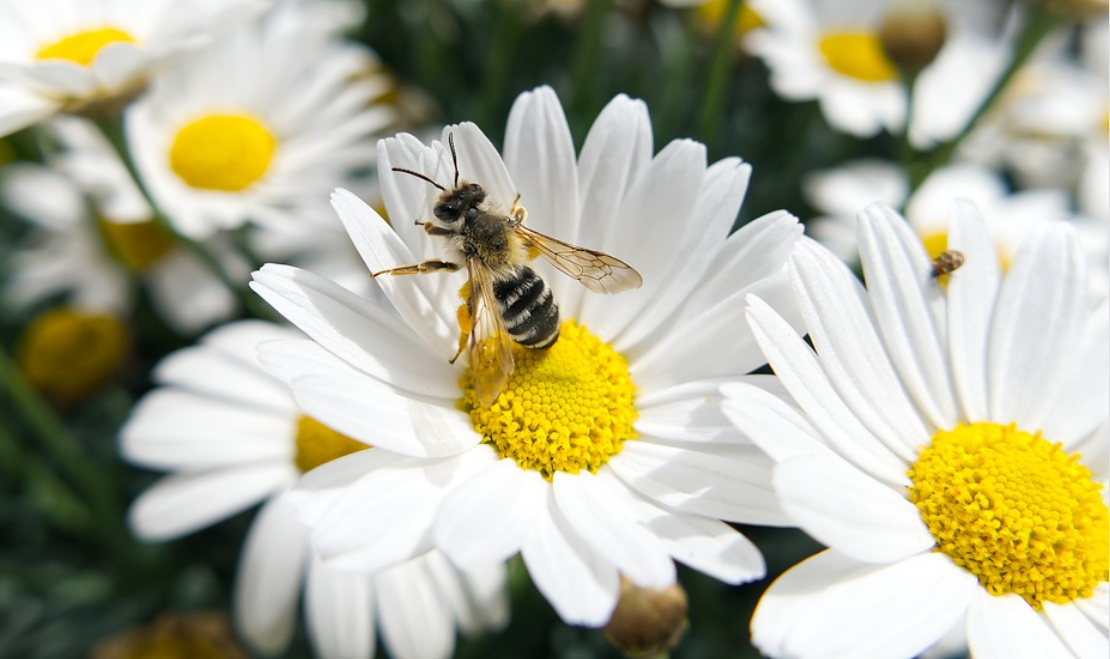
x: 517, y: 212
x: 419, y: 268
x: 433, y: 230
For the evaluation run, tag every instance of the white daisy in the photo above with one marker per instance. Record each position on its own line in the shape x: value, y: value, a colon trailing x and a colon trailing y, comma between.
x: 233, y: 438
x: 94, y: 233
x: 67, y: 55
x: 949, y: 449
x: 627, y: 463
x: 259, y: 127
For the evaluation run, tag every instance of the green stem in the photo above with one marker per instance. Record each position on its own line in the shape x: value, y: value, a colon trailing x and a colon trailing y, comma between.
x: 716, y: 88
x: 1037, y: 24
x: 113, y: 131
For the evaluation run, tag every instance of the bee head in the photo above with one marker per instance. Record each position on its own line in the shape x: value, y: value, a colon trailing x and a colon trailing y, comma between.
x: 463, y: 200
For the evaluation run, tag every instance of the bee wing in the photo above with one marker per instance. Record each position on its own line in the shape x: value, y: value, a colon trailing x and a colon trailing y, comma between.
x: 597, y: 271
x: 491, y: 347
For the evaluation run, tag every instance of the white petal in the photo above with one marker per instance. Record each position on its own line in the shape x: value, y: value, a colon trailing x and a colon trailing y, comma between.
x: 769, y: 421
x: 1006, y: 627
x: 415, y: 619
x: 829, y: 606
x: 903, y: 295
x: 178, y: 505
x: 688, y: 412
x: 477, y: 598
x: 1081, y: 407
x: 204, y: 370
x: 1097, y: 607
x: 339, y: 613
x: 480, y: 162
x: 484, y: 519
x: 846, y: 510
x: 174, y: 429
x: 318, y: 489
x: 1038, y: 322
x: 370, y: 411
x: 796, y: 365
x: 732, y: 485
x: 268, y: 584
x: 580, y: 584
x: 971, y: 298
x: 1077, y: 631
x: 356, y: 330
x: 851, y: 353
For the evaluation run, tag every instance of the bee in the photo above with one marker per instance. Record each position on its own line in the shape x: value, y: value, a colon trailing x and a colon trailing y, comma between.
x: 947, y: 262
x: 505, y: 301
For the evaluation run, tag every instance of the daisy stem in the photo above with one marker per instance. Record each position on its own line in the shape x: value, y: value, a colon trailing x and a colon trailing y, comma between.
x: 716, y: 87
x: 113, y: 131
x: 1037, y: 24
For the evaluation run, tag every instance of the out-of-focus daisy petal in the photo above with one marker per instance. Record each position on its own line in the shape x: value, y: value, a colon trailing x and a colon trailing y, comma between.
x: 1006, y: 626
x: 340, y: 610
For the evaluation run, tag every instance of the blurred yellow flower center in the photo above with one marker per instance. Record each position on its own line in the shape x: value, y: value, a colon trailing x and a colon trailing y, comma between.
x: 567, y: 408
x: 937, y: 243
x: 82, y: 47
x: 857, y: 55
x: 137, y: 245
x: 714, y: 12
x: 1014, y: 510
x: 222, y: 152
x: 176, y: 646
x: 318, y: 444
x: 66, y: 354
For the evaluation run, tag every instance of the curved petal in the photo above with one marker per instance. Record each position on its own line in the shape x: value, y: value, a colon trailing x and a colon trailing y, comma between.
x: 831, y: 606
x: 770, y: 422
x: 339, y: 613
x: 1080, y: 408
x: 268, y: 583
x: 1006, y: 627
x: 477, y: 598
x: 416, y: 620
x: 1077, y: 631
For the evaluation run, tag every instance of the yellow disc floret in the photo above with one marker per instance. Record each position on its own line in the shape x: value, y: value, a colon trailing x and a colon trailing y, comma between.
x: 567, y: 408
x: 222, y: 152
x: 1015, y: 510
x: 137, y: 245
x: 83, y: 47
x: 857, y: 55
x: 318, y: 444
x: 66, y: 354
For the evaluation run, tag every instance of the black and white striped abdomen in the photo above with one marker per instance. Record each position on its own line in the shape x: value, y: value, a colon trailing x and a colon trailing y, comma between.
x: 528, y: 309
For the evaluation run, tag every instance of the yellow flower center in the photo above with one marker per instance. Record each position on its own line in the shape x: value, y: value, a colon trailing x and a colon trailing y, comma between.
x: 937, y: 243
x: 567, y: 408
x: 1014, y: 510
x: 137, y: 245
x: 83, y: 47
x: 67, y: 354
x: 318, y: 444
x: 222, y: 152
x: 858, y: 55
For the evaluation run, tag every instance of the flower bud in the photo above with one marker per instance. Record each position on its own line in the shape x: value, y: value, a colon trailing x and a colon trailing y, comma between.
x: 912, y: 33
x: 647, y: 622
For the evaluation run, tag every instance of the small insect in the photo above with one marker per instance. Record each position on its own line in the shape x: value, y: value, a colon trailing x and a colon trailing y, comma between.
x: 504, y: 299
x: 947, y: 262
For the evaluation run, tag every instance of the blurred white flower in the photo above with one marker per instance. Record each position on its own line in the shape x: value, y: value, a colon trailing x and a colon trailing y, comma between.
x: 233, y: 438
x: 93, y: 233
x: 626, y: 465
x: 950, y: 449
x: 260, y: 126
x: 66, y: 55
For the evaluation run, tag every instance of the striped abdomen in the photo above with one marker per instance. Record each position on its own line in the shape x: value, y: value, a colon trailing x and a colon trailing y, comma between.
x: 528, y: 309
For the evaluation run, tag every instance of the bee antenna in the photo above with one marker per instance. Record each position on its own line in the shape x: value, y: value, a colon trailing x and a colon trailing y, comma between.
x: 420, y: 176
x: 454, y: 156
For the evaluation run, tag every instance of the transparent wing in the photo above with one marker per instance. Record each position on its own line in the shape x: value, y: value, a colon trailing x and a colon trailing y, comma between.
x: 491, y: 347
x: 598, y: 271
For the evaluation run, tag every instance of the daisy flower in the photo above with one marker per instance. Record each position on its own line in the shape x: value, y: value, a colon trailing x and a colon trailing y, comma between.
x: 606, y: 454
x: 71, y: 55
x: 950, y: 448
x: 233, y: 438
x: 93, y: 233
x: 260, y: 126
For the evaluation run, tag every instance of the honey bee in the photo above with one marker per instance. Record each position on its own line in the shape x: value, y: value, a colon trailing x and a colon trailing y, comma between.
x: 947, y: 262
x: 505, y: 301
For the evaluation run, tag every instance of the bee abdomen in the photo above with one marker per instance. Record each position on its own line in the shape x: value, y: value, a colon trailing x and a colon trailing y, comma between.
x: 528, y: 309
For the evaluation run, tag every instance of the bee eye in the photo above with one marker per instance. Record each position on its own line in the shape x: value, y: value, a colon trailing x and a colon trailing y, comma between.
x: 446, y: 212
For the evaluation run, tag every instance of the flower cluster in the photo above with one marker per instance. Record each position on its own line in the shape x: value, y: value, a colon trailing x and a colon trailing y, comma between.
x: 297, y: 371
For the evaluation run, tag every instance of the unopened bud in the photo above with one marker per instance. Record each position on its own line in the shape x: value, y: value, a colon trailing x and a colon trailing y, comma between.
x: 647, y: 622
x: 912, y: 34
x: 1079, y: 10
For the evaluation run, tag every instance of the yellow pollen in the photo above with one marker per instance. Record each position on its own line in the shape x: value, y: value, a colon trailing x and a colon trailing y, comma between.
x: 567, y: 408
x: 83, y: 47
x: 1014, y: 510
x: 858, y: 55
x: 318, y: 444
x: 137, y: 245
x: 66, y: 354
x: 222, y: 152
